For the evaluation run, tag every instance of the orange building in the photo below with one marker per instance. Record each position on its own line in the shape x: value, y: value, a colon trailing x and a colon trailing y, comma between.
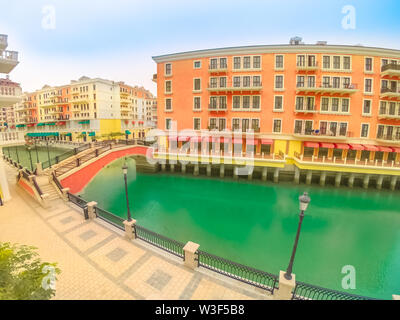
x: 306, y: 100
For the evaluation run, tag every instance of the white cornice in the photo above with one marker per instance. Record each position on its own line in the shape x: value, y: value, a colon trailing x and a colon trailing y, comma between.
x: 339, y: 49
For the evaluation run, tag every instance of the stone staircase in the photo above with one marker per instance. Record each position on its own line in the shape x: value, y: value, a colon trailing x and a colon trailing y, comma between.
x: 47, y: 188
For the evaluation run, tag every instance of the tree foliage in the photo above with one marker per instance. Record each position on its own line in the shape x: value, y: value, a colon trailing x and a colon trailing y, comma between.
x: 23, y: 276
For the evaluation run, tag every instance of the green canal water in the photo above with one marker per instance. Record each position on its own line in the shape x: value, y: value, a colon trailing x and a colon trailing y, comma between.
x: 254, y: 223
x: 41, y: 154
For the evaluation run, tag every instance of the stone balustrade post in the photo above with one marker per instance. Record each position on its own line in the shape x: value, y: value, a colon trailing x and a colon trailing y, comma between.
x: 286, y: 287
x: 39, y: 169
x: 92, y: 210
x: 129, y: 229
x: 65, y: 193
x: 191, y: 255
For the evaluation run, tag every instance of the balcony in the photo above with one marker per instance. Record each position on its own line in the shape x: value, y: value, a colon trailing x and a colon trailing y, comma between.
x: 307, y: 66
x: 390, y: 93
x: 388, y: 137
x: 327, y: 88
x: 305, y: 109
x: 311, y: 133
x: 217, y: 68
x: 236, y: 87
x: 391, y: 69
x: 9, y: 95
x: 217, y: 107
x: 389, y: 114
x: 3, y: 42
x: 8, y: 61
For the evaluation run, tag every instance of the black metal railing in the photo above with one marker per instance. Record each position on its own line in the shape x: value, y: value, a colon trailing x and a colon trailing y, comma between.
x: 304, y: 291
x: 110, y: 218
x: 57, y: 182
x: 160, y: 241
x: 81, y: 203
x: 257, y: 278
x: 37, y: 186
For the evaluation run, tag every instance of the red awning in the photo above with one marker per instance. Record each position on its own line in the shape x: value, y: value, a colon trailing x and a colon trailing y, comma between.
x: 133, y: 122
x: 370, y: 147
x: 237, y: 141
x: 252, y: 142
x: 267, y: 141
x: 208, y: 139
x: 184, y: 139
x: 225, y: 139
x: 385, y: 149
x: 31, y: 125
x: 342, y: 146
x: 396, y: 149
x: 354, y: 146
x: 327, y: 145
x: 309, y: 144
x: 141, y: 122
x: 61, y: 123
x: 172, y: 138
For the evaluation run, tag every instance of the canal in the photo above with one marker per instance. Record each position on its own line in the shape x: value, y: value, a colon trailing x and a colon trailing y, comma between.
x: 254, y: 223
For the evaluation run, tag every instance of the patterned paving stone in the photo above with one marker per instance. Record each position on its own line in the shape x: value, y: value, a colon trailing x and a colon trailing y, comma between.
x: 159, y: 279
x: 93, y: 235
x: 116, y: 255
x: 66, y: 221
x: 87, y: 235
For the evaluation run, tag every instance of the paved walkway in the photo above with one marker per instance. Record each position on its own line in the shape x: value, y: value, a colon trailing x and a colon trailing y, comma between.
x: 98, y: 263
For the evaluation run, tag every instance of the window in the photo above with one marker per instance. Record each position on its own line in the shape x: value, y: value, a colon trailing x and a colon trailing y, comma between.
x: 223, y: 63
x: 197, y: 103
x: 278, y: 103
x: 197, y: 64
x: 382, y: 109
x: 298, y: 126
x: 277, y: 126
x: 346, y: 63
x: 197, y: 85
x: 256, y: 102
x: 335, y: 104
x: 311, y: 81
x: 345, y: 105
x: 255, y: 124
x: 333, y: 128
x: 322, y: 127
x: 246, y: 102
x: 236, y: 82
x: 222, y: 82
x: 336, y: 82
x: 168, y: 86
x: 222, y: 102
x: 301, y: 61
x: 213, y: 63
x: 168, y: 124
x: 327, y: 62
x: 213, y: 103
x: 236, y: 102
x: 246, y: 81
x: 221, y: 123
x: 343, y: 129
x: 299, y: 103
x: 364, y: 130
x: 300, y: 81
x: 245, y: 125
x: 236, y: 63
x: 246, y: 63
x: 380, y: 131
x: 235, y: 124
x: 336, y: 62
x: 326, y: 82
x: 256, y: 62
x: 279, y: 82
x: 256, y: 81
x: 279, y: 62
x: 367, y: 107
x: 325, y: 104
x: 168, y: 69
x: 368, y: 86
x: 168, y: 104
x: 213, y: 123
x: 368, y: 64
x: 196, y: 124
x: 213, y: 82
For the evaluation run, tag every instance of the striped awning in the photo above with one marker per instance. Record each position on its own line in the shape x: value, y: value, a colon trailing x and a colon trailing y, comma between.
x: 252, y: 142
x: 385, y: 149
x: 354, y: 146
x: 369, y: 147
x: 396, y: 149
x: 20, y: 125
x: 326, y: 145
x: 84, y: 122
x: 342, y: 146
x: 183, y: 138
x: 237, y: 141
x: 267, y: 141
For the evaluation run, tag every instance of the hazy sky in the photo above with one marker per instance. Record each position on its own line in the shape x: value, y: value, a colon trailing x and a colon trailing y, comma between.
x: 115, y: 39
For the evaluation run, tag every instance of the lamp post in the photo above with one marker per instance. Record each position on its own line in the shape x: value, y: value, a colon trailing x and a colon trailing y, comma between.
x: 37, y: 154
x: 30, y: 158
x: 125, y: 171
x: 304, y: 201
x: 48, y: 153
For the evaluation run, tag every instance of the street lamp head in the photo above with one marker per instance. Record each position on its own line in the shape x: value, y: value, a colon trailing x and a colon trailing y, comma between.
x: 125, y: 169
x: 304, y: 201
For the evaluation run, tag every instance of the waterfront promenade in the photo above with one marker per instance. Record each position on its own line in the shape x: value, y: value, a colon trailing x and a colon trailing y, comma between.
x: 96, y: 261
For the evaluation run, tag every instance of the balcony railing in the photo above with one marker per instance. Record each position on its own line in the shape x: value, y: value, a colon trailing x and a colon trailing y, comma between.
x: 217, y: 67
x: 389, y: 92
x: 231, y: 87
x: 305, y: 109
x: 391, y: 113
x: 391, y: 68
x: 323, y: 133
x: 390, y: 137
x: 10, y: 91
x: 308, y: 65
x: 327, y: 87
x: 9, y: 55
x: 217, y: 107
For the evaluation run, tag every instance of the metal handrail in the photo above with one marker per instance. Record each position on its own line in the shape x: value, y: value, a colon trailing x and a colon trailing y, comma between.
x: 249, y: 275
x: 304, y: 291
x: 37, y: 186
x: 109, y: 217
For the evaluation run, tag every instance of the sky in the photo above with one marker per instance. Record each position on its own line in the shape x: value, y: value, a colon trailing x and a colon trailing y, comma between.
x: 61, y: 40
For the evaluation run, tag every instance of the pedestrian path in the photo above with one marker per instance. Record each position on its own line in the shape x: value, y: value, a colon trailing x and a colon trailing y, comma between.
x: 97, y: 262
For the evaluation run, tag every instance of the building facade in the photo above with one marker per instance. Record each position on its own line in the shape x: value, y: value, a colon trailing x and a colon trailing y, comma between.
x: 335, y: 103
x: 84, y: 110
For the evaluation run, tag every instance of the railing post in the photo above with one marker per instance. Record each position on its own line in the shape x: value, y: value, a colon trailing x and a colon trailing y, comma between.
x: 191, y: 255
x: 286, y: 287
x: 129, y: 229
x: 65, y: 193
x: 39, y: 169
x: 91, y: 209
